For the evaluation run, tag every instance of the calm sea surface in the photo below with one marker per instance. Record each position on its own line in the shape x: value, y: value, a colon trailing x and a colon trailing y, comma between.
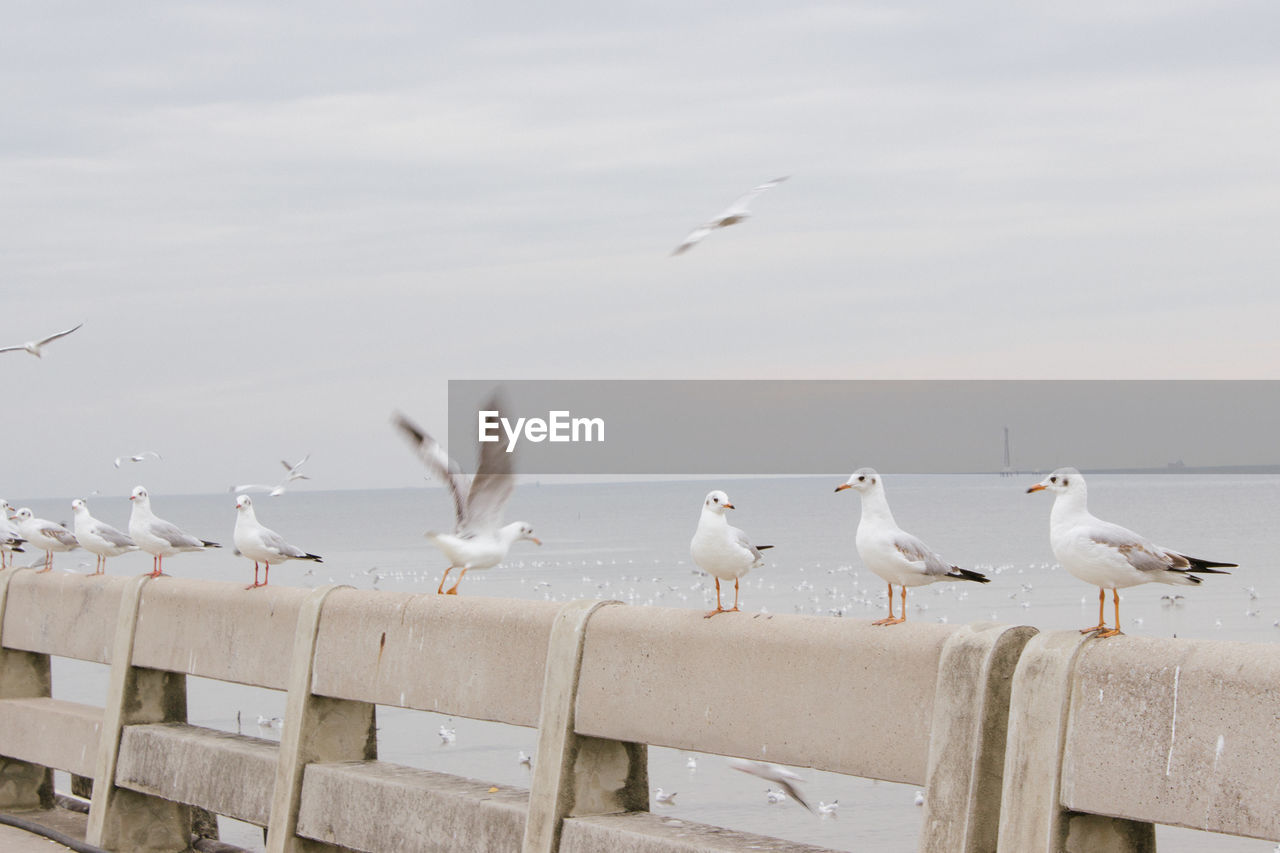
x: 630, y: 541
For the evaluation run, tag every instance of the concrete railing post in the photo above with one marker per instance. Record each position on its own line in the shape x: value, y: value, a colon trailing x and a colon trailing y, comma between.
x: 23, y: 675
x: 1032, y: 819
x: 573, y: 775
x: 968, y: 735
x: 120, y: 819
x: 316, y: 729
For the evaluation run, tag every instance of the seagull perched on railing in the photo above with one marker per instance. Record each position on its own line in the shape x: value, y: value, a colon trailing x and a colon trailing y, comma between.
x: 158, y: 537
x: 891, y: 552
x: 721, y: 550
x: 98, y: 537
x: 35, y: 347
x: 477, y: 541
x: 1107, y: 555
x: 10, y: 538
x: 47, y: 536
x: 261, y: 544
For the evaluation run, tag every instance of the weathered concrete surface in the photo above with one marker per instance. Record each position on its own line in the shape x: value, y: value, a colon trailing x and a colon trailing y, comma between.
x: 967, y: 748
x: 1183, y: 732
x: 421, y: 651
x: 120, y: 819
x: 1032, y: 819
x: 218, y: 630
x: 23, y: 675
x: 51, y: 732
x: 68, y: 615
x: 577, y: 775
x: 317, y: 729
x: 644, y: 832
x: 859, y: 698
x: 375, y: 807
x: 226, y: 773
x: 69, y: 823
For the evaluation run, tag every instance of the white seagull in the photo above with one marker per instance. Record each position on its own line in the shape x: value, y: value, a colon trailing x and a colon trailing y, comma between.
x: 158, y: 537
x: 138, y: 457
x: 773, y: 773
x: 723, y: 551
x: 291, y: 474
x: 664, y: 798
x: 731, y: 215
x: 1107, y: 555
x: 261, y: 544
x: 891, y: 552
x: 34, y: 347
x: 478, y: 541
x: 10, y: 539
x: 47, y: 536
x: 98, y: 537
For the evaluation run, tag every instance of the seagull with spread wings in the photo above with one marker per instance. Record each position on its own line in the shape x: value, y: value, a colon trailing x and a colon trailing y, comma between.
x: 34, y: 347
x: 479, y: 539
x: 731, y: 215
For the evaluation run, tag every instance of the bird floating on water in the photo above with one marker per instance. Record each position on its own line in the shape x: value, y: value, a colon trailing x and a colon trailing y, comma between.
x: 664, y: 798
x: 1107, y: 555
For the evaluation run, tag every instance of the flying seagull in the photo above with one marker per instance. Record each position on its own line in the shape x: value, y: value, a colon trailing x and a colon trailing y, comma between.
x: 731, y: 215
x: 138, y: 457
x: 478, y: 540
x: 34, y: 347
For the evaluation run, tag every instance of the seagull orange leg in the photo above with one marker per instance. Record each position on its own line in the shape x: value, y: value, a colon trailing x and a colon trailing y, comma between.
x: 48, y: 563
x: 894, y: 620
x: 255, y: 583
x: 443, y: 578
x: 453, y: 590
x: 1116, y: 630
x: 719, y: 607
x: 734, y: 609
x: 1102, y: 622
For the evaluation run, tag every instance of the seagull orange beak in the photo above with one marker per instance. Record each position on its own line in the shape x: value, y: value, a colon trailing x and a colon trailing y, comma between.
x: 843, y: 486
x: 1038, y: 487
x: 536, y: 541
x: 730, y: 506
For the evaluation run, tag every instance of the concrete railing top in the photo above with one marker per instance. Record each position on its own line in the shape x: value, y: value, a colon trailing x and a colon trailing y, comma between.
x: 62, y: 614
x: 1183, y: 732
x: 858, y: 698
x: 482, y: 658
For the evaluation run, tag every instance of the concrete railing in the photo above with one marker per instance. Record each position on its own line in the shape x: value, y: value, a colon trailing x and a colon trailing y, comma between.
x: 965, y: 712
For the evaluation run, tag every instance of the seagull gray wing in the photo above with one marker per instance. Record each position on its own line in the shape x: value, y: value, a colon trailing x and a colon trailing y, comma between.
x: 918, y: 552
x: 57, y: 335
x: 438, y: 463
x: 109, y: 533
x: 492, y: 485
x: 293, y: 469
x: 695, y: 237
x: 1139, y: 552
x: 742, y: 540
x: 59, y: 534
x: 743, y: 201
x: 272, y: 541
x: 172, y: 534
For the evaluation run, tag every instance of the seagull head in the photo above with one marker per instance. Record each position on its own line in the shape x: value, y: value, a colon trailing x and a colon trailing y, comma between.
x: 1062, y: 481
x: 243, y: 502
x: 861, y: 480
x: 79, y: 507
x: 524, y: 530
x: 24, y: 514
x: 717, y: 502
x: 139, y: 495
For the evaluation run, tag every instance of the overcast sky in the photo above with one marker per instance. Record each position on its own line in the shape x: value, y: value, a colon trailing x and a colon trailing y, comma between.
x: 279, y: 222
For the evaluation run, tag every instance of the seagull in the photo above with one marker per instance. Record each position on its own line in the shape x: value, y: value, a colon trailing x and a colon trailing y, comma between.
x: 892, y: 553
x: 731, y: 215
x: 447, y: 735
x: 774, y: 796
x: 1107, y: 555
x: 773, y: 773
x: 270, y: 722
x: 261, y: 544
x: 664, y: 798
x: 34, y: 347
x: 158, y: 537
x: 828, y: 809
x: 138, y: 457
x: 691, y: 762
x: 98, y: 537
x: 477, y: 541
x: 10, y: 538
x: 919, y: 800
x: 525, y: 758
x: 291, y: 474
x: 721, y: 550
x: 45, y: 535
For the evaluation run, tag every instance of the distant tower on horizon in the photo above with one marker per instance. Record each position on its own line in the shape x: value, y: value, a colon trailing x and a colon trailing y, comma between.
x: 1007, y: 470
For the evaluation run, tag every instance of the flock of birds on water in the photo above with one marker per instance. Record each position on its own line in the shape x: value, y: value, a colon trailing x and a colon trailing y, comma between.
x: 1101, y: 553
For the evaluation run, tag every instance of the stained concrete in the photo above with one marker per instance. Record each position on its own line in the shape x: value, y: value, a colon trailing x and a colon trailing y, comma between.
x: 858, y: 698
x: 644, y: 832
x: 69, y: 615
x: 374, y: 806
x: 51, y: 732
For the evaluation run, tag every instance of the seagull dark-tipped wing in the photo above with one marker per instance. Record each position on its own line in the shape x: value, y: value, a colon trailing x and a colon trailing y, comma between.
x: 438, y: 463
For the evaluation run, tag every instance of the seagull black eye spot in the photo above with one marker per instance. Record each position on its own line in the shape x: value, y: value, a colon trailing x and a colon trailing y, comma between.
x: 1064, y: 481
x: 1053, y: 479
